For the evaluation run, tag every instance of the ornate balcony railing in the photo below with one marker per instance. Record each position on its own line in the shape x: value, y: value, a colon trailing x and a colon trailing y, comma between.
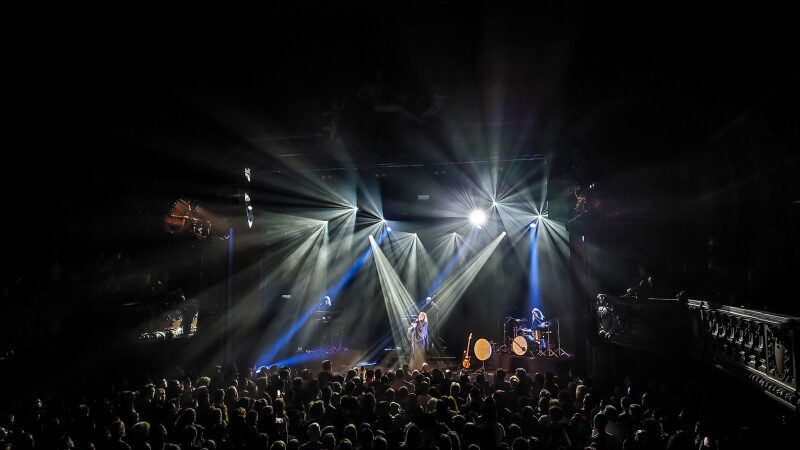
x: 757, y: 346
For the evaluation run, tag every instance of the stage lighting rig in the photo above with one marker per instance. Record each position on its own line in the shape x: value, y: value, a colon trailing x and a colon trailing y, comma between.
x: 185, y: 217
x: 249, y: 210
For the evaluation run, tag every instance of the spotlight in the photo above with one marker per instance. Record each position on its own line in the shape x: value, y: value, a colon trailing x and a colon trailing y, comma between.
x: 249, y: 210
x: 503, y: 233
x: 477, y: 218
x: 355, y: 208
x: 533, y: 225
x: 388, y: 228
x: 383, y: 220
x: 494, y: 203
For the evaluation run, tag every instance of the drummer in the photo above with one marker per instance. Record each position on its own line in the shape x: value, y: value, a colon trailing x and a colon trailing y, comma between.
x: 537, y: 318
x: 537, y: 323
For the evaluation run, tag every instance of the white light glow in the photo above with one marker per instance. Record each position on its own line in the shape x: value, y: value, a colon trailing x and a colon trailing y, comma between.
x: 477, y: 218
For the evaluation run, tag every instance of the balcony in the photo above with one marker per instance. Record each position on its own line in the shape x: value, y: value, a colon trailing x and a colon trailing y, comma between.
x: 756, y: 346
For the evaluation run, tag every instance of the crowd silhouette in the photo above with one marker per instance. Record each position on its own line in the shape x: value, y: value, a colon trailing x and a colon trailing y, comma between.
x: 281, y: 408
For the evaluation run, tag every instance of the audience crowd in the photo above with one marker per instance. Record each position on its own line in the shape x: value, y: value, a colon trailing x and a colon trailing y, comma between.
x: 279, y: 408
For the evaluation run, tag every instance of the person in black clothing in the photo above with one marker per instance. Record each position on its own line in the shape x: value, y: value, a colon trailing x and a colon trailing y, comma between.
x: 326, y: 376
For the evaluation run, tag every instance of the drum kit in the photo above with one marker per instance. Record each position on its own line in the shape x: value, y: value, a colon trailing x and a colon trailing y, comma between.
x: 531, y: 341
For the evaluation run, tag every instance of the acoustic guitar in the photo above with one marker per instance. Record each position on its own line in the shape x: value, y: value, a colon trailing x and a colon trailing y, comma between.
x: 465, y: 361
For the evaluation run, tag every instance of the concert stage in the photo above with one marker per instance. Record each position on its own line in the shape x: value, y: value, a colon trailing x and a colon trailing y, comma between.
x: 530, y: 364
x: 341, y: 361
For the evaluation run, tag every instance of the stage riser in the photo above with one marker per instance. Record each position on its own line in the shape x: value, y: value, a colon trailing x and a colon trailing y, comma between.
x: 531, y: 365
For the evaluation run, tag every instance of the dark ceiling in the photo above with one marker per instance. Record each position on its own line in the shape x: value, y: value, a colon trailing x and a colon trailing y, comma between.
x: 325, y: 80
x: 121, y: 108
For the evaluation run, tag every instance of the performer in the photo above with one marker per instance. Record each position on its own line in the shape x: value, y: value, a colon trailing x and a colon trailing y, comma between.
x: 325, y: 304
x: 418, y: 334
x: 431, y: 309
x: 326, y: 330
x: 537, y: 319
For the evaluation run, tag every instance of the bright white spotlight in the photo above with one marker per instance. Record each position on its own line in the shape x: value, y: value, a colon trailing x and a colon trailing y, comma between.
x: 355, y: 208
x: 477, y: 218
x: 533, y: 225
x: 388, y: 228
x: 383, y: 220
x: 503, y: 233
x: 494, y: 203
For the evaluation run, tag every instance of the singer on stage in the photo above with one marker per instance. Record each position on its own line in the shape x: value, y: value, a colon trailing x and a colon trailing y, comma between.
x: 418, y: 335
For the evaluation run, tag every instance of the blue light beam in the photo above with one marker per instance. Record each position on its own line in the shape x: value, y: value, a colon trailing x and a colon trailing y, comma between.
x: 333, y: 292
x: 534, y: 297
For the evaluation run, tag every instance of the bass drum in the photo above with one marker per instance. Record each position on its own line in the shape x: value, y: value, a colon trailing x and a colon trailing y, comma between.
x: 483, y: 349
x: 519, y: 345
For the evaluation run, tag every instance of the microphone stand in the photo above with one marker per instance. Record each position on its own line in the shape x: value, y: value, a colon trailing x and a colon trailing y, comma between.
x: 559, y: 351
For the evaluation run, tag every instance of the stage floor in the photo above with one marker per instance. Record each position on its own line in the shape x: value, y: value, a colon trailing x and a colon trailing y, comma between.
x: 346, y: 359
